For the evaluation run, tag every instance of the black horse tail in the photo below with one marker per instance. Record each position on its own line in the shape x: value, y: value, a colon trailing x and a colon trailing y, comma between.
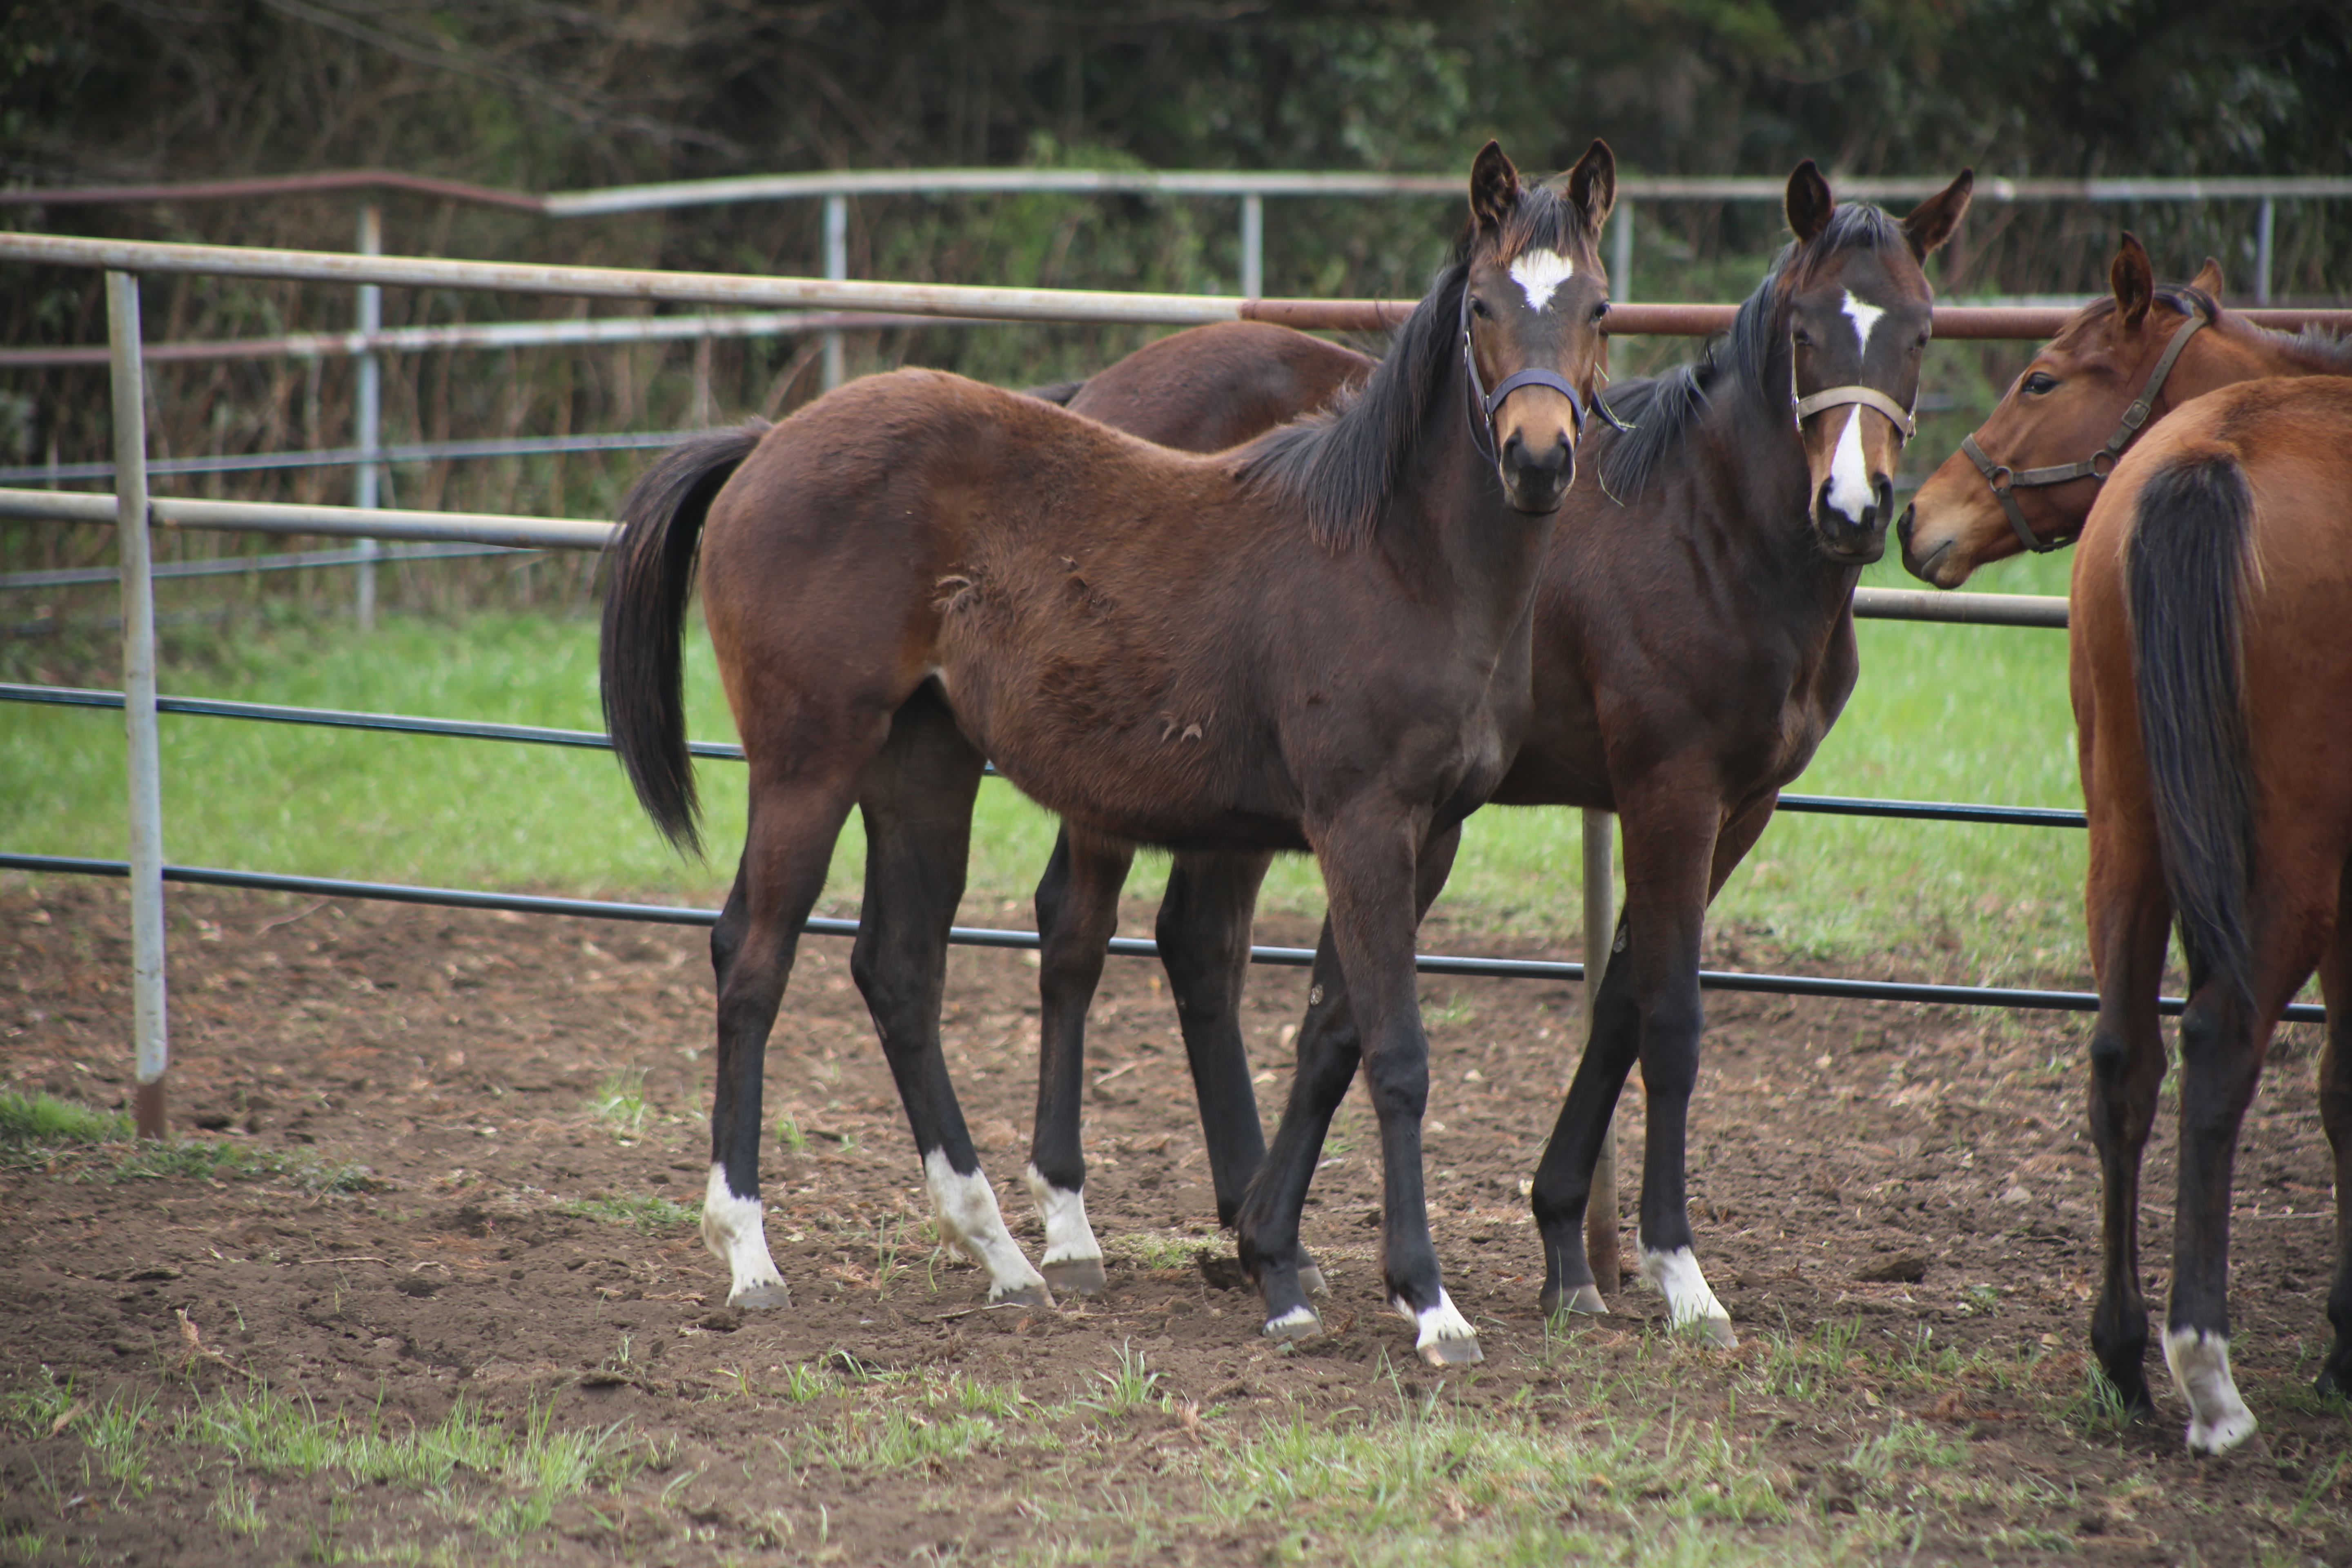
x: 641, y: 660
x: 2186, y: 578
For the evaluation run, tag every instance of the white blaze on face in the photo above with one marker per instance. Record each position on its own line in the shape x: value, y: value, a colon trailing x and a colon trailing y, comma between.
x: 1850, y: 489
x: 1539, y: 273
x: 969, y: 1217
x: 1863, y: 315
x: 2217, y: 1419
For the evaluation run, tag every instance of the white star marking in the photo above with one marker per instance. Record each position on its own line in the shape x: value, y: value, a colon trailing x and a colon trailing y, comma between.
x: 1540, y: 274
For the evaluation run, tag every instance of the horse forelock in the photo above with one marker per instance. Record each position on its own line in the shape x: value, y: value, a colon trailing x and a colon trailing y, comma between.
x: 1342, y: 467
x: 1748, y: 359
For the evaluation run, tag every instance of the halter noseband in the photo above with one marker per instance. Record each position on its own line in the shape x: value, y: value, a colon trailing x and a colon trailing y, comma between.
x: 2005, y: 479
x: 1482, y: 420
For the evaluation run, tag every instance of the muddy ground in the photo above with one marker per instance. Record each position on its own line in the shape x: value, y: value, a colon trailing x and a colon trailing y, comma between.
x: 456, y: 1056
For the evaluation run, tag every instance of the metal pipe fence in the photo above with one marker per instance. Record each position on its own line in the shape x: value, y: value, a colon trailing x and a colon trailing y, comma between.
x: 136, y: 514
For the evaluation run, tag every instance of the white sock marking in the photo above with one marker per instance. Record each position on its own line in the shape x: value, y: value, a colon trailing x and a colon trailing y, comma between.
x: 736, y: 1230
x: 1865, y: 316
x: 1677, y: 1278
x: 1539, y: 273
x: 1068, y: 1237
x: 1850, y: 489
x: 1438, y: 1322
x: 969, y: 1217
x: 2217, y: 1419
x: 1297, y: 1316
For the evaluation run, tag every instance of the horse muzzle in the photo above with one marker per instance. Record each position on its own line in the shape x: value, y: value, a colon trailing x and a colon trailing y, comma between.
x: 1537, y: 475
x: 1854, y: 540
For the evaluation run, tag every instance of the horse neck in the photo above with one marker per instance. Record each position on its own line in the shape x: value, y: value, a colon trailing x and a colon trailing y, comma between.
x: 1448, y: 524
x: 2239, y: 350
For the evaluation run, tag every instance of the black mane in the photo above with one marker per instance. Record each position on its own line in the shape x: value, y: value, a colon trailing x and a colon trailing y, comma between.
x: 1344, y: 465
x: 1751, y: 357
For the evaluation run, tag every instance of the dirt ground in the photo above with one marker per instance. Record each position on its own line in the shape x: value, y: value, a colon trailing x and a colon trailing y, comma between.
x: 457, y: 1055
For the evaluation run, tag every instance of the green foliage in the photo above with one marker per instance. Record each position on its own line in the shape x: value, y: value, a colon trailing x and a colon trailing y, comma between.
x: 44, y: 1122
x: 643, y: 1211
x: 620, y: 1101
x: 94, y: 1146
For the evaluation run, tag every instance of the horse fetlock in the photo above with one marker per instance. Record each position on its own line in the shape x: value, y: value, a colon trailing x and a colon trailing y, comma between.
x: 1444, y: 1337
x: 734, y: 1228
x: 965, y: 1205
x: 2217, y: 1419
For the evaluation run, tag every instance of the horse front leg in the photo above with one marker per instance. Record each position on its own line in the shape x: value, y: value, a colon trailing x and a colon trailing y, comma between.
x: 1078, y: 914
x: 793, y: 824
x: 917, y: 802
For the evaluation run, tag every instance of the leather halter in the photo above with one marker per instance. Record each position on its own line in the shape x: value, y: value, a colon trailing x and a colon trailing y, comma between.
x: 1488, y: 402
x: 2005, y: 479
x: 1906, y: 423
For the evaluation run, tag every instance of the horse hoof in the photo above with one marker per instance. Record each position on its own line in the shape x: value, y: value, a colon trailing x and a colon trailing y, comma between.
x: 1585, y: 1299
x: 761, y: 1298
x: 1036, y: 1295
x: 1298, y: 1323
x: 1451, y: 1352
x: 1713, y: 1332
x: 1311, y: 1279
x: 1077, y: 1276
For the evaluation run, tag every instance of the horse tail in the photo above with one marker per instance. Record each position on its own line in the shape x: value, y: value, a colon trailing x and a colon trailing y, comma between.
x: 2187, y: 579
x: 641, y: 660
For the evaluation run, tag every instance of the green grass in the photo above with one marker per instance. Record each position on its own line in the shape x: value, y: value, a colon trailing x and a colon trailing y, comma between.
x: 620, y: 1101
x: 1941, y: 712
x: 645, y: 1211
x: 96, y: 1145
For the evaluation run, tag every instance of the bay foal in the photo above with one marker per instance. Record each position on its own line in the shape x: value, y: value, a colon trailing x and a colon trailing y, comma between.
x: 1318, y: 642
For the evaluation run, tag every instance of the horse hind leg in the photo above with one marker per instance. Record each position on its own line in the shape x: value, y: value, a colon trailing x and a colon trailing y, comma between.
x: 1078, y: 914
x: 785, y: 856
x: 2335, y: 1115
x: 916, y: 800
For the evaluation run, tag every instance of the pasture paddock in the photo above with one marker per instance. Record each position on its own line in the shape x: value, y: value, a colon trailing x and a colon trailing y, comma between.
x: 504, y: 1254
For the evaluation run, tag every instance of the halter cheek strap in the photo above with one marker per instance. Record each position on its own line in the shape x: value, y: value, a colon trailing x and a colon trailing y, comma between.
x: 2005, y: 479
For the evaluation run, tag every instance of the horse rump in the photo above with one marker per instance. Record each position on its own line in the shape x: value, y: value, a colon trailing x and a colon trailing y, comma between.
x: 2185, y: 585
x: 640, y: 660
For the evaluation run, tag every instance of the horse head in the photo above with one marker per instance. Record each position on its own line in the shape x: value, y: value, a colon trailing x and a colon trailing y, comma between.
x: 2028, y: 483
x: 1534, y: 298
x: 1858, y: 319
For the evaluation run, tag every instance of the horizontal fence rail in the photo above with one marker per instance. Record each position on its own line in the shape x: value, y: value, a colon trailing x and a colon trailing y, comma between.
x: 1126, y: 947
x: 539, y: 534
x: 1143, y: 182
x: 593, y: 740
x: 1079, y: 305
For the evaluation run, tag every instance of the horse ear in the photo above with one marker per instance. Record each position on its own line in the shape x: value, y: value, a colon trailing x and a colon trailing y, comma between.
x: 1931, y: 223
x: 1592, y: 185
x: 2133, y: 281
x: 1494, y: 186
x: 2209, y: 278
x: 1810, y: 200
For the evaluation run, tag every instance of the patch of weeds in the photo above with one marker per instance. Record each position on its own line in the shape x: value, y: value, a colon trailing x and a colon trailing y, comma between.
x: 39, y: 1407
x: 620, y: 1102
x: 804, y: 1381
x: 1454, y: 1009
x: 897, y: 1438
x: 789, y: 1133
x: 1133, y: 1386
x: 44, y: 1122
x: 2097, y: 1409
x: 1002, y: 1400
x: 646, y: 1211
x: 1979, y: 1301
x: 1807, y: 1368
x: 1157, y: 1249
x: 888, y: 1239
x: 237, y: 1510
x: 25, y: 1543
x: 115, y: 1432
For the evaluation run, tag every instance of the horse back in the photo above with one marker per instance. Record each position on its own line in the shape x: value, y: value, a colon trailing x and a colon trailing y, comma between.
x: 1208, y: 388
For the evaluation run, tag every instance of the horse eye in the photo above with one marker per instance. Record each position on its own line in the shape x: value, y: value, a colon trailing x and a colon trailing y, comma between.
x: 1478, y: 307
x: 1600, y: 310
x: 2037, y: 384
x: 1801, y: 338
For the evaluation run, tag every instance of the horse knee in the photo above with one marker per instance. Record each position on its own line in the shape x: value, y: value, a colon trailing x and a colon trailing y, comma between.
x: 2110, y: 1054
x: 1398, y: 1089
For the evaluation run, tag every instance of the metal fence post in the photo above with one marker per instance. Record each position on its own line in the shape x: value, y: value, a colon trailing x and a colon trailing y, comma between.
x: 836, y: 268
x: 2263, y: 228
x: 1253, y: 247
x: 368, y: 416
x: 1621, y: 251
x: 1599, y: 928
x: 151, y: 1036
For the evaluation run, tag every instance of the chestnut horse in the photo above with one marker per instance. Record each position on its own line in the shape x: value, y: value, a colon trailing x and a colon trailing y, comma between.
x: 1693, y: 643
x: 1319, y: 641
x: 2210, y: 660
x: 2076, y: 408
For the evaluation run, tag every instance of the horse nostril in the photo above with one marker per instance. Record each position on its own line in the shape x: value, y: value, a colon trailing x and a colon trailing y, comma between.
x: 1902, y: 524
